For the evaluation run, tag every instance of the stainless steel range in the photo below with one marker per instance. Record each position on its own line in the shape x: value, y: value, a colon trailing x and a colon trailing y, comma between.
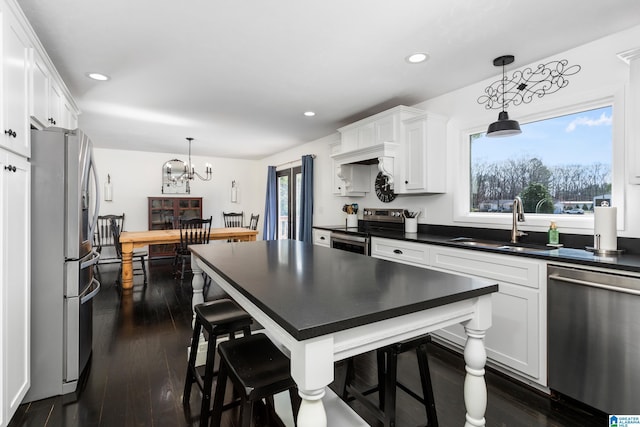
x: 356, y: 239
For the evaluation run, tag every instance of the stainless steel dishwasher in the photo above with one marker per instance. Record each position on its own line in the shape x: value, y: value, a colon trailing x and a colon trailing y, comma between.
x: 594, y: 338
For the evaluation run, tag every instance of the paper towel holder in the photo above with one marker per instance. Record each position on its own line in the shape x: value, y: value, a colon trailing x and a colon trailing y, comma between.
x: 603, y: 252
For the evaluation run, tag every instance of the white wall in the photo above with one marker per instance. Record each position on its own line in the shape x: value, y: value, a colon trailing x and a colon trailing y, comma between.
x: 603, y: 74
x: 136, y: 175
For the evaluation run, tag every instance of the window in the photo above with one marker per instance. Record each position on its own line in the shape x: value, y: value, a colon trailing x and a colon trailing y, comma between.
x: 558, y: 166
x: 289, y: 187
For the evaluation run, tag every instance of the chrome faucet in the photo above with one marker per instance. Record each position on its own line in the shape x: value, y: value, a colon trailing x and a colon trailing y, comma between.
x: 518, y: 216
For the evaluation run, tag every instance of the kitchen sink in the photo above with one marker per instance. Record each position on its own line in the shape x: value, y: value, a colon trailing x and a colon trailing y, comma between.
x: 518, y: 248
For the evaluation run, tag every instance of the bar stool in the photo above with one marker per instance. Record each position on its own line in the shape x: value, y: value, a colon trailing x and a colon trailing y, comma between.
x: 387, y: 383
x: 219, y: 317
x: 258, y: 370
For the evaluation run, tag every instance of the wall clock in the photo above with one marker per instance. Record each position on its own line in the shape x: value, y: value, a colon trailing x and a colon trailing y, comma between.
x: 383, y: 189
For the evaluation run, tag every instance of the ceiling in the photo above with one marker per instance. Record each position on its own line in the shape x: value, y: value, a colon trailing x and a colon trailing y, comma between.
x: 238, y: 75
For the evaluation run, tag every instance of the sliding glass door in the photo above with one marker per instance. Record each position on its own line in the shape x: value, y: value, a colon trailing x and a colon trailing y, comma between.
x: 289, y: 186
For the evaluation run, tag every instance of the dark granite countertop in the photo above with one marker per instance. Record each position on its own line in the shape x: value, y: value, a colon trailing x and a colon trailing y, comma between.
x: 444, y: 235
x: 311, y: 290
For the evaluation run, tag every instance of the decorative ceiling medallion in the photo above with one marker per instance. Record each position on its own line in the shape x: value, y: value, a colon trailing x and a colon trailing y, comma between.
x: 524, y: 85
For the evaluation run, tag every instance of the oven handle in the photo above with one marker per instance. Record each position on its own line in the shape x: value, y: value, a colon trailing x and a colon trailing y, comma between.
x: 350, y: 239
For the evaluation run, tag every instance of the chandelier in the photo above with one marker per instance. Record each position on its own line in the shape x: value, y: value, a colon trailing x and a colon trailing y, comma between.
x: 190, y: 171
x: 179, y: 174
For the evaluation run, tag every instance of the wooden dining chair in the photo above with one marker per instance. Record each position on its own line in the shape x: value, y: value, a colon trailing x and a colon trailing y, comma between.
x: 137, y: 255
x: 233, y: 219
x: 102, y: 237
x: 253, y: 222
x: 195, y: 231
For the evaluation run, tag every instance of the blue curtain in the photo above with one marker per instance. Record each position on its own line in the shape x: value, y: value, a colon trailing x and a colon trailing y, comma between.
x: 270, y: 208
x: 306, y: 200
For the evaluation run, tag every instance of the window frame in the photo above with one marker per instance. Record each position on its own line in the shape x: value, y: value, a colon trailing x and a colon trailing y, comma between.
x: 540, y: 222
x: 291, y: 173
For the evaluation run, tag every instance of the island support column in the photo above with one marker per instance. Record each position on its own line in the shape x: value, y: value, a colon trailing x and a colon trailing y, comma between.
x: 312, y: 370
x: 197, y: 285
x: 475, y: 358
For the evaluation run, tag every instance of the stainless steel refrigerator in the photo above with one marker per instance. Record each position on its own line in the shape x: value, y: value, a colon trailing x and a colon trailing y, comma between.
x: 64, y: 205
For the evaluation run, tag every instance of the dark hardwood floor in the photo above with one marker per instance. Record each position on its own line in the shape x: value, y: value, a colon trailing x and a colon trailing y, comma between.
x: 137, y: 370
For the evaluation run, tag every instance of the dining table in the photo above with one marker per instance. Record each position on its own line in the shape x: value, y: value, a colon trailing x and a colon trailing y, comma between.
x: 129, y: 240
x: 322, y: 305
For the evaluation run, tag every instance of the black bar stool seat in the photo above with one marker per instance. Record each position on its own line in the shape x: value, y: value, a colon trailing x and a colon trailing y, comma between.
x: 387, y: 359
x: 258, y: 370
x: 217, y: 318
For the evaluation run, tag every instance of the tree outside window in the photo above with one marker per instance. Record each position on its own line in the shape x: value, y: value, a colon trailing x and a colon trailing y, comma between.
x: 557, y: 166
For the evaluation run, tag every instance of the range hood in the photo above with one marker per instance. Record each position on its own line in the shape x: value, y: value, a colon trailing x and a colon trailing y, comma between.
x: 381, y: 154
x: 367, y: 155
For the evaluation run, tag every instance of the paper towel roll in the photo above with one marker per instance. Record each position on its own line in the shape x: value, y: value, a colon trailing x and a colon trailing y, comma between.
x: 604, y: 224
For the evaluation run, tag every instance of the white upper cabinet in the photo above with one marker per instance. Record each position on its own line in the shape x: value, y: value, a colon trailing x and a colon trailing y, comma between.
x: 39, y: 100
x: 411, y: 141
x: 424, y: 155
x: 55, y: 105
x: 377, y: 129
x: 49, y: 105
x: 15, y: 85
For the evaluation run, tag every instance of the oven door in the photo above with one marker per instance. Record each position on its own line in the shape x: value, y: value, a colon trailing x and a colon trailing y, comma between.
x: 350, y: 243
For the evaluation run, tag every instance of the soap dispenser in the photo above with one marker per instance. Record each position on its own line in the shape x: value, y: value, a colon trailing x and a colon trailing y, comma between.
x: 554, y: 234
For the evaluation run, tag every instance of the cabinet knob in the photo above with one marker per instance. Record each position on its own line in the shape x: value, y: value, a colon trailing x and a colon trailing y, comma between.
x: 10, y: 133
x: 10, y: 168
x: 406, y: 182
x: 53, y: 122
x: 397, y: 251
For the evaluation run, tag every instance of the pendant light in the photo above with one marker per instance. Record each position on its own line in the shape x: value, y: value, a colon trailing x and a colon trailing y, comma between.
x: 504, y: 126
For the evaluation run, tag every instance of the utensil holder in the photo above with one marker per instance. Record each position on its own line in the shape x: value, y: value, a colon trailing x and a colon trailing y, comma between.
x: 352, y: 220
x: 411, y: 225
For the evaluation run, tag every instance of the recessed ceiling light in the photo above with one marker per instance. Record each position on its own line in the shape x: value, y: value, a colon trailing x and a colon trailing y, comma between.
x: 97, y: 76
x: 309, y: 113
x: 416, y: 58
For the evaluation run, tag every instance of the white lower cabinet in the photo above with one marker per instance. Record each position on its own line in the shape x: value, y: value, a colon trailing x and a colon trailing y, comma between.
x: 516, y: 341
x: 321, y: 237
x: 15, y: 293
x: 400, y: 251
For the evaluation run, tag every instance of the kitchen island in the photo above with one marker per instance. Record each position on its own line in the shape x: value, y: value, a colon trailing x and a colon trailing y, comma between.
x: 325, y: 305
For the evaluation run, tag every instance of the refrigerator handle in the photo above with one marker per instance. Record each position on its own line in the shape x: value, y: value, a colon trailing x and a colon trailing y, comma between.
x: 93, y: 293
x: 93, y: 261
x: 94, y: 223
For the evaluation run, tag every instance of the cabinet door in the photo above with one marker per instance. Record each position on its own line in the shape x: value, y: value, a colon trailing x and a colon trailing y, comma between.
x: 424, y: 152
x: 55, y: 104
x: 349, y: 140
x: 513, y: 338
x: 415, y: 156
x: 15, y: 49
x: 67, y: 115
x: 15, y: 294
x: 39, y: 90
x: 366, y: 135
x: 385, y: 129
